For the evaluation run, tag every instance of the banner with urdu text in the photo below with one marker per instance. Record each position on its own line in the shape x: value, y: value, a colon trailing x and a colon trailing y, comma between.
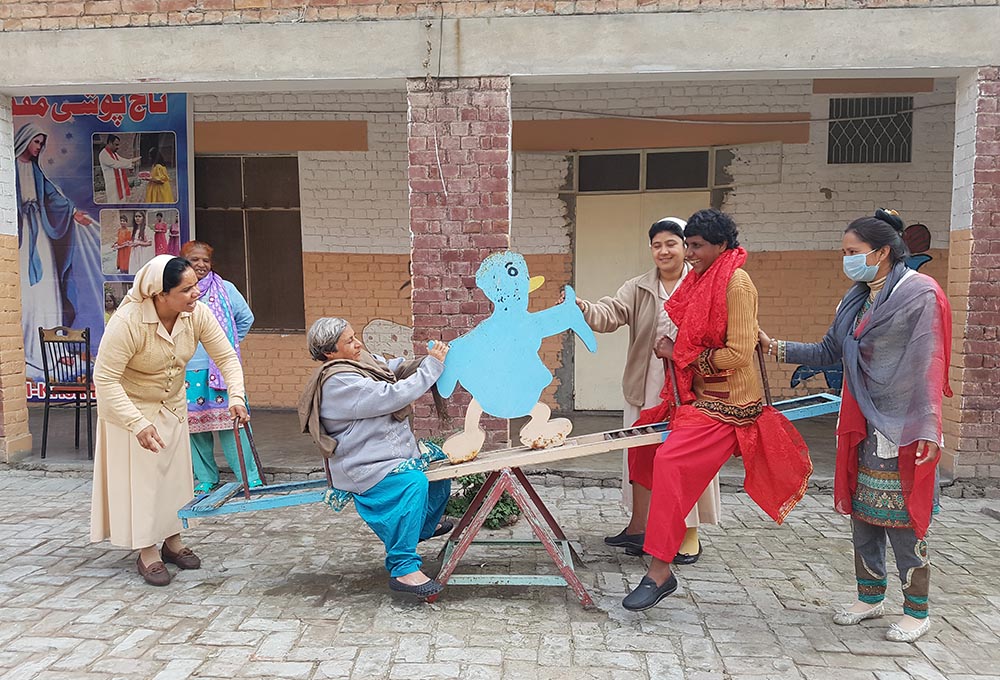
x: 102, y: 187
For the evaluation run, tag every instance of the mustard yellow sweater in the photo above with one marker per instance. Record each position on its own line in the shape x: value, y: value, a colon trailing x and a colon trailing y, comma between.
x: 727, y: 383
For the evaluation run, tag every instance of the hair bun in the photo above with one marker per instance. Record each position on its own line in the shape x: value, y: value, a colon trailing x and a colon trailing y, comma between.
x: 890, y: 217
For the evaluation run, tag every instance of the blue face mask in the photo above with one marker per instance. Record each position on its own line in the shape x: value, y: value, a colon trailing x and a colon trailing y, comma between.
x: 857, y: 268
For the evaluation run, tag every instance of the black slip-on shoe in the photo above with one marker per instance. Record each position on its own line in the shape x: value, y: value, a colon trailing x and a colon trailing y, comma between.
x: 426, y: 589
x: 444, y: 526
x: 630, y: 542
x: 683, y: 558
x: 647, y: 594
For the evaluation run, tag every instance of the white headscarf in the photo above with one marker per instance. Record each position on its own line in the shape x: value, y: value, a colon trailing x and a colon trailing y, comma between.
x: 148, y: 280
x: 24, y: 135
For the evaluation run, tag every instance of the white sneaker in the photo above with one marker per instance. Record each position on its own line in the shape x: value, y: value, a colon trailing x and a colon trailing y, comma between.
x: 849, y: 618
x: 897, y: 634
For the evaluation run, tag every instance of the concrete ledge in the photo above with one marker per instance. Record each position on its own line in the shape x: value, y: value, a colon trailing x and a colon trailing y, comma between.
x: 325, y: 55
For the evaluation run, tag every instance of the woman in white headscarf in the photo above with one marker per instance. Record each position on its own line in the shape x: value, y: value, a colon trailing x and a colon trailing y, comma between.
x: 142, y: 462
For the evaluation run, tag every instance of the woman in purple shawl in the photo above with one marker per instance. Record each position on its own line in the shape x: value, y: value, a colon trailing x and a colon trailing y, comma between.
x: 892, y: 331
x: 207, y: 397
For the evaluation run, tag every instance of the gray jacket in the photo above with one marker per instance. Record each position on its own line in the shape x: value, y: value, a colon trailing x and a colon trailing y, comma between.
x: 357, y: 411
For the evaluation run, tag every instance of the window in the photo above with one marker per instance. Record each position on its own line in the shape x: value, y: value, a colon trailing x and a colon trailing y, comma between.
x: 677, y: 170
x: 247, y: 209
x: 870, y: 130
x: 609, y: 172
x: 653, y: 170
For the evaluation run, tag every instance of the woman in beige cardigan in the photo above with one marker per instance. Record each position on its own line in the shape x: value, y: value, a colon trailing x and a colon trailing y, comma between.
x: 638, y: 304
x: 142, y: 462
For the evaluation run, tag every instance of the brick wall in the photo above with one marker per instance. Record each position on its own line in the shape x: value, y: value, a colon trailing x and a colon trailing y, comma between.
x: 976, y: 240
x: 798, y: 295
x: 35, y: 15
x: 459, y: 176
x: 14, y: 435
x: 356, y: 287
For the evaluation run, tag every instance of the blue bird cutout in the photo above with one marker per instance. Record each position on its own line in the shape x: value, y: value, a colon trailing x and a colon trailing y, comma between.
x: 914, y: 262
x: 498, y: 361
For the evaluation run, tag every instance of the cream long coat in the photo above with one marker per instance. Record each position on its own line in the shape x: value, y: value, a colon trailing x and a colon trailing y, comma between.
x: 638, y: 304
x: 139, y: 379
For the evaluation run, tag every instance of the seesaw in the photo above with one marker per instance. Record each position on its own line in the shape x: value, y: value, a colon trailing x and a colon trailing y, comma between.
x: 503, y: 467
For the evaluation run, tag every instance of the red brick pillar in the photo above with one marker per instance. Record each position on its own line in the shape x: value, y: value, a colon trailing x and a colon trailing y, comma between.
x: 14, y: 435
x: 460, y: 184
x: 973, y: 416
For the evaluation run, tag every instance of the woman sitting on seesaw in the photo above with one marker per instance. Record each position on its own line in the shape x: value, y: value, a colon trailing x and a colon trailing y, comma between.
x: 356, y: 407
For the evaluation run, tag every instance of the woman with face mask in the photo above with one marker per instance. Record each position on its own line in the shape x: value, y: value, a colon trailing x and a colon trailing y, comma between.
x: 892, y: 330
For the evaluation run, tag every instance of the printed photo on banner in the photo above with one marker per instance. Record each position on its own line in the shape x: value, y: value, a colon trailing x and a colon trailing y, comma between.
x: 134, y: 167
x: 66, y: 224
x: 114, y: 293
x: 130, y: 237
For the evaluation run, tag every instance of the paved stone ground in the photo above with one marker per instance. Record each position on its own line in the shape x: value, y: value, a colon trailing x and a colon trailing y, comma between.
x: 301, y: 593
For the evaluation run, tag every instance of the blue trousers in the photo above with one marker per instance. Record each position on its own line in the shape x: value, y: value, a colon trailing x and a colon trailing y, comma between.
x: 402, y: 509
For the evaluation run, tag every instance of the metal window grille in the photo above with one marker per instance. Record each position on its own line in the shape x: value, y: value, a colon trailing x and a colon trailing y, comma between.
x: 870, y: 130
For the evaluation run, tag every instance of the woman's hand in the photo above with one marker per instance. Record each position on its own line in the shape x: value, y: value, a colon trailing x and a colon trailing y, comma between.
x: 439, y: 350
x: 149, y: 439
x: 664, y: 348
x: 239, y: 413
x: 927, y: 451
x: 82, y: 218
x: 562, y: 299
x: 765, y: 340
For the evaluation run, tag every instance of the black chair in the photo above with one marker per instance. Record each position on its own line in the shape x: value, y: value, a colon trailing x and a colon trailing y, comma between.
x: 68, y: 369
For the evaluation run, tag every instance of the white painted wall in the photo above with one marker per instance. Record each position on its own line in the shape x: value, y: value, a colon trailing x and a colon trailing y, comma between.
x: 795, y: 214
x: 352, y: 201
x: 357, y: 201
x: 965, y: 150
x: 777, y: 201
x: 540, y: 222
x: 8, y: 194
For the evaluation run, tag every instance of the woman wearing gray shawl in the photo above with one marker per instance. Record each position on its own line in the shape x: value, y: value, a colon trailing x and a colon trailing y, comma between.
x: 892, y: 330
x: 356, y: 406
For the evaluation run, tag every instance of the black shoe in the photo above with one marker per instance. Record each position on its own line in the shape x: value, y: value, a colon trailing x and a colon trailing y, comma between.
x: 443, y: 527
x: 647, y: 594
x: 426, y: 589
x: 631, y: 542
x: 682, y: 558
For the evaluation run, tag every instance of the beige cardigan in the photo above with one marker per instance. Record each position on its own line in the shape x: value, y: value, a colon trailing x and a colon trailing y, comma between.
x: 139, y: 368
x: 636, y: 305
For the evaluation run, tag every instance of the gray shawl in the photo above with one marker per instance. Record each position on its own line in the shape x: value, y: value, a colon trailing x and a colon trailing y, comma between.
x: 894, y: 366
x: 368, y: 366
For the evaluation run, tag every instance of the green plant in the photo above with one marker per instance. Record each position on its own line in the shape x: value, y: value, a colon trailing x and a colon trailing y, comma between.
x: 503, y: 514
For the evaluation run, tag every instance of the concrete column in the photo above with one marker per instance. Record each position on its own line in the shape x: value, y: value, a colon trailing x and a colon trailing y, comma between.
x: 973, y: 416
x: 458, y: 135
x: 14, y: 435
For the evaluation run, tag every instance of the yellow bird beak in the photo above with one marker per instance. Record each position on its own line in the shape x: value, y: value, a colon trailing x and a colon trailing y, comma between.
x: 535, y: 282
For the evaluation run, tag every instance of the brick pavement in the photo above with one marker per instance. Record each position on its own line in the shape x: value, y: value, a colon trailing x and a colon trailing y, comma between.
x: 300, y: 593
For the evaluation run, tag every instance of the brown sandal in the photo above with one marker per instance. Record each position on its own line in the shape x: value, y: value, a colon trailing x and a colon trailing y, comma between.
x: 183, y: 558
x: 155, y: 574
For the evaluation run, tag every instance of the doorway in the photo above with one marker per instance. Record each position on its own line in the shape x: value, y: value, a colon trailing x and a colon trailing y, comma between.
x: 612, y: 246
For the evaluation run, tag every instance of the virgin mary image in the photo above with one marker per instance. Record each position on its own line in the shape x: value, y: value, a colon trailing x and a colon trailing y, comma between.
x: 58, y: 254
